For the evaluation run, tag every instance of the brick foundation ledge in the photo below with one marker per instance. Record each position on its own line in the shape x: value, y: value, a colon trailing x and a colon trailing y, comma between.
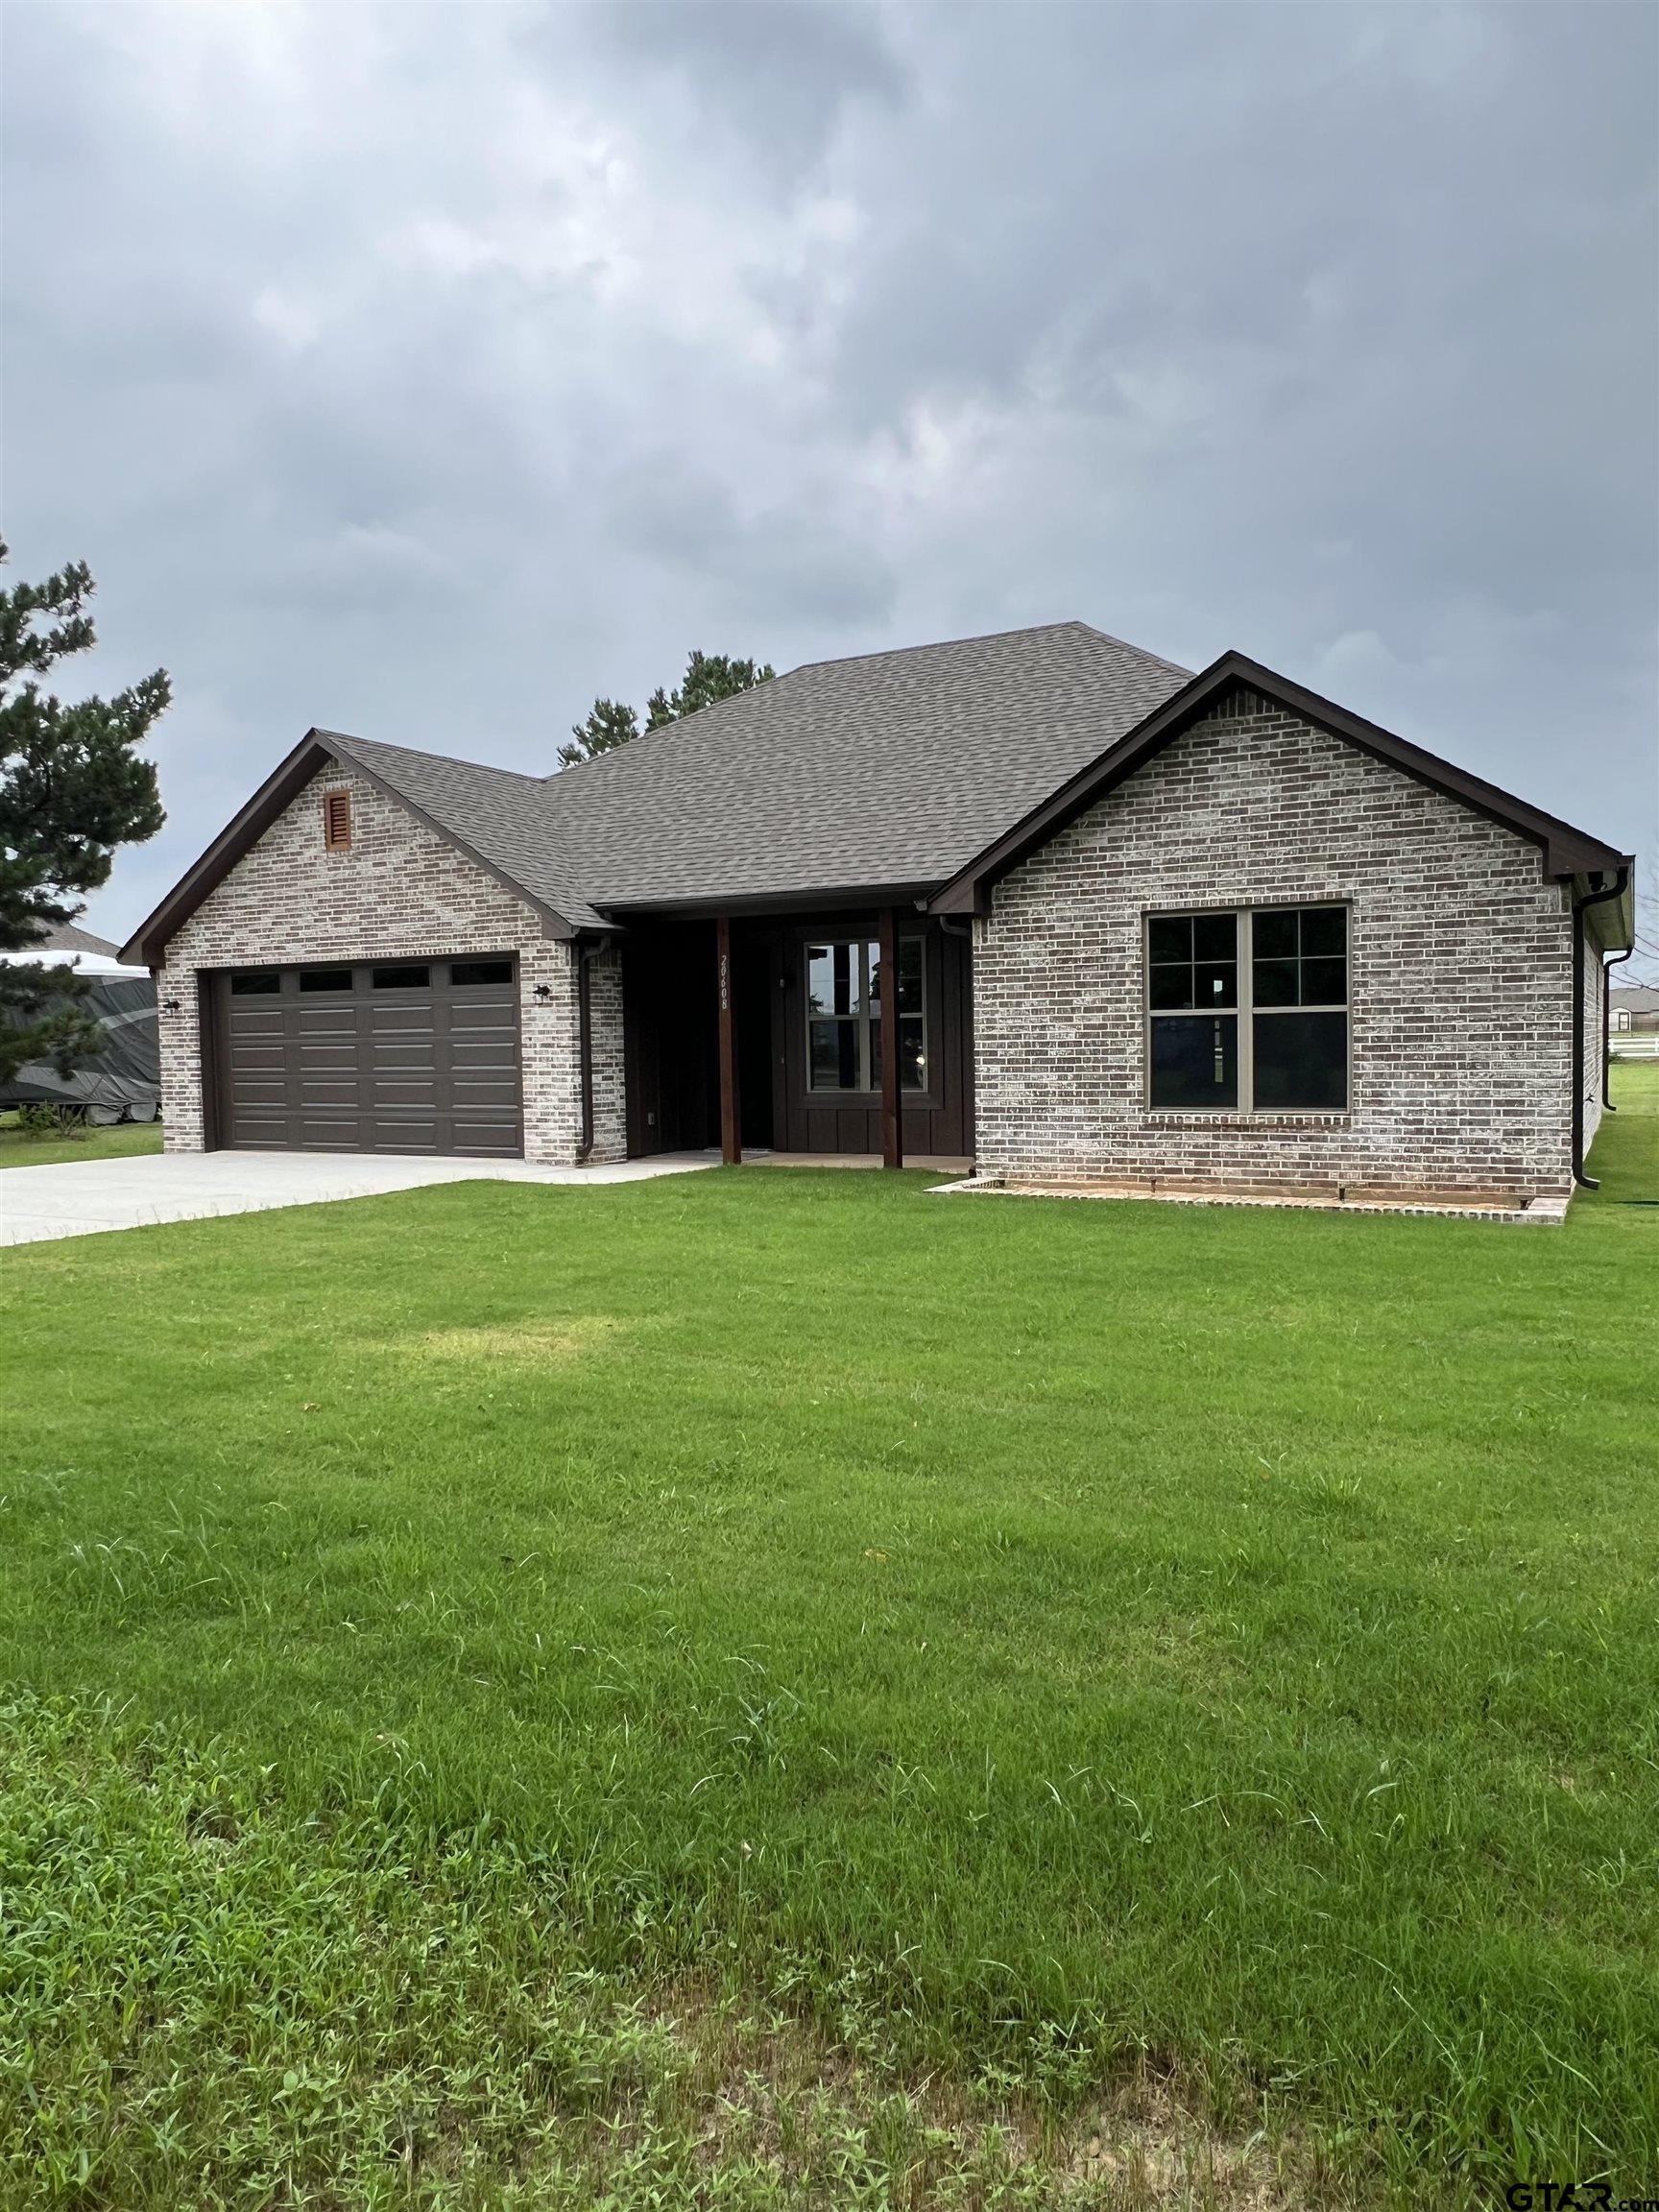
x: 1549, y: 1209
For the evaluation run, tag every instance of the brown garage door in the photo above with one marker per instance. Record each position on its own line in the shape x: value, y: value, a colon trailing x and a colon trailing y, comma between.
x: 383, y: 1056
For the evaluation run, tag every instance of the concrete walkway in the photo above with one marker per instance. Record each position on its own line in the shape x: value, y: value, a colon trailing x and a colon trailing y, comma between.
x: 83, y: 1198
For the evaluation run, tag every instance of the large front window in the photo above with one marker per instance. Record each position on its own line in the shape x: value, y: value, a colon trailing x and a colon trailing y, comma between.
x: 1248, y: 1012
x: 844, y: 1011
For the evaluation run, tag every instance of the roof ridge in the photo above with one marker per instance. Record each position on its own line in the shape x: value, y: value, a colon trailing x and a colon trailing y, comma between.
x: 880, y: 653
x: 973, y: 638
x: 420, y: 752
x: 663, y: 729
x: 1142, y: 652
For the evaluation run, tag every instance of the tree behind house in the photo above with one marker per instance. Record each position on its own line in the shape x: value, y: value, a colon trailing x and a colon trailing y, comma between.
x: 709, y: 677
x: 72, y: 789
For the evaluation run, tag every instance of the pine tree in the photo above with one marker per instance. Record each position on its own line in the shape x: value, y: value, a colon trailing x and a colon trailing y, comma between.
x: 608, y: 724
x: 72, y: 789
x: 709, y: 677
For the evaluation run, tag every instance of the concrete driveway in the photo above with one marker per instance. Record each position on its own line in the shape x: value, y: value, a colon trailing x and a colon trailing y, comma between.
x: 80, y: 1198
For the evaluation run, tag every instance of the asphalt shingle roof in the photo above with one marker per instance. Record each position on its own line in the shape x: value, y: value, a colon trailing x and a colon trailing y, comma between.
x: 884, y: 770
x: 69, y: 937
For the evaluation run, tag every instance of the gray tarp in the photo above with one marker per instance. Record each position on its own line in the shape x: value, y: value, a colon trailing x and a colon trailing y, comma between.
x: 125, y: 1078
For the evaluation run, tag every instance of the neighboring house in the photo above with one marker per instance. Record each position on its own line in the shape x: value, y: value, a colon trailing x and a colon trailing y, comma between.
x: 77, y: 945
x: 1131, y: 925
x: 1633, y: 1006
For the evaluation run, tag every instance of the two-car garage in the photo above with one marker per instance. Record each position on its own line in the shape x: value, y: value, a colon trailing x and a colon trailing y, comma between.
x: 367, y: 1056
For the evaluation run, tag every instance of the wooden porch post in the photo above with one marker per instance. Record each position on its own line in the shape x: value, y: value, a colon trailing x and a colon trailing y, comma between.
x: 892, y: 1113
x: 730, y: 1124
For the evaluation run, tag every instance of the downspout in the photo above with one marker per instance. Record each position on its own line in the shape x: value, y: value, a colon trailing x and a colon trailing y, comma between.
x: 1607, y: 967
x: 1580, y: 907
x: 585, y: 956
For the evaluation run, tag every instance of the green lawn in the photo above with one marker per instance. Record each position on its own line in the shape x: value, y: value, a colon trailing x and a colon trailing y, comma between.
x: 22, y: 1148
x: 771, y: 1688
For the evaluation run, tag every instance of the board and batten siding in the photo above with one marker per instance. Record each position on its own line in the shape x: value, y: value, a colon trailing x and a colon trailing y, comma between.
x: 398, y: 891
x: 1460, y: 976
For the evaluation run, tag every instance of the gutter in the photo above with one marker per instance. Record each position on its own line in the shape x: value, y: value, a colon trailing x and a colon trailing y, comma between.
x: 1581, y: 906
x: 585, y: 956
x: 1607, y: 967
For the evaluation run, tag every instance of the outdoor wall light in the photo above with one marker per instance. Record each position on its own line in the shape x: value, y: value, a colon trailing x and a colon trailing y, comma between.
x: 171, y: 1005
x: 543, y: 990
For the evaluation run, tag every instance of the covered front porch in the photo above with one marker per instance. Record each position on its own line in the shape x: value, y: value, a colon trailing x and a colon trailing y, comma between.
x: 763, y: 1034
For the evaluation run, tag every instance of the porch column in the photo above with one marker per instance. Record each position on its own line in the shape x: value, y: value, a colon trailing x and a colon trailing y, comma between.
x: 730, y: 1124
x: 892, y: 1115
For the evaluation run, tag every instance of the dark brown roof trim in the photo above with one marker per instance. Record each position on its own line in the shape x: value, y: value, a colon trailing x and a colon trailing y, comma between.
x: 280, y: 789
x: 1567, y: 852
x: 817, y: 902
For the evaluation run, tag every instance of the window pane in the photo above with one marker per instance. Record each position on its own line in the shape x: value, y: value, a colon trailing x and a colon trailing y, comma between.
x: 909, y: 974
x: 835, y: 1046
x: 1195, y: 1060
x: 1275, y: 935
x: 1324, y: 982
x: 1171, y: 986
x: 326, y: 979
x: 1275, y: 982
x: 402, y: 978
x: 1216, y: 985
x: 1324, y: 930
x: 1214, y: 936
x: 1300, y: 1061
x: 463, y: 973
x: 255, y: 986
x: 834, y: 981
x: 1170, y: 937
x: 912, y: 1064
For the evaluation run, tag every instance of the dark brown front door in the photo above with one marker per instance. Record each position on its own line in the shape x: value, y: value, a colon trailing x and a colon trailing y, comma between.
x: 381, y: 1056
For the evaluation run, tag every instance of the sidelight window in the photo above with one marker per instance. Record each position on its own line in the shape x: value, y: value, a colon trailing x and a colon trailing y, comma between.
x: 1248, y: 1012
x: 844, y: 1013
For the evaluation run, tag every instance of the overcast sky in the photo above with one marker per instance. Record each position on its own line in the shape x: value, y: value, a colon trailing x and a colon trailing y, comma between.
x: 423, y: 370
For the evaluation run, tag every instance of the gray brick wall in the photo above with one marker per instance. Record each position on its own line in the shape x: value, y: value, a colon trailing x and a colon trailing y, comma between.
x: 398, y: 890
x: 1460, y: 976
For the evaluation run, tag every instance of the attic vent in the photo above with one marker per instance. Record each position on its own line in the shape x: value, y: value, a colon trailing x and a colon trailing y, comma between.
x: 337, y: 821
x: 1235, y: 700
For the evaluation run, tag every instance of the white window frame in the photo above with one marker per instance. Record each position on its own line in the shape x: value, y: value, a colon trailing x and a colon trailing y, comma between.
x: 1245, y: 1010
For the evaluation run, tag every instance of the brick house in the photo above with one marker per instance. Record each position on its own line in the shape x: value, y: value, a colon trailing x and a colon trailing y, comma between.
x: 1134, y: 926
x: 1634, y: 1009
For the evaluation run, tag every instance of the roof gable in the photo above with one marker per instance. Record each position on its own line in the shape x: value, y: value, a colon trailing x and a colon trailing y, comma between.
x: 1567, y: 852
x: 280, y: 788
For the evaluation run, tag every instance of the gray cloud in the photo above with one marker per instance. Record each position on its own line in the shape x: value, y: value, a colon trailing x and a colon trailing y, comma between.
x: 427, y: 371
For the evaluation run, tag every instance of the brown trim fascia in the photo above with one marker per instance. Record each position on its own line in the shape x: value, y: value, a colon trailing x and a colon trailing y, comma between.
x: 871, y: 895
x: 280, y: 789
x: 1567, y: 852
x: 284, y: 784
